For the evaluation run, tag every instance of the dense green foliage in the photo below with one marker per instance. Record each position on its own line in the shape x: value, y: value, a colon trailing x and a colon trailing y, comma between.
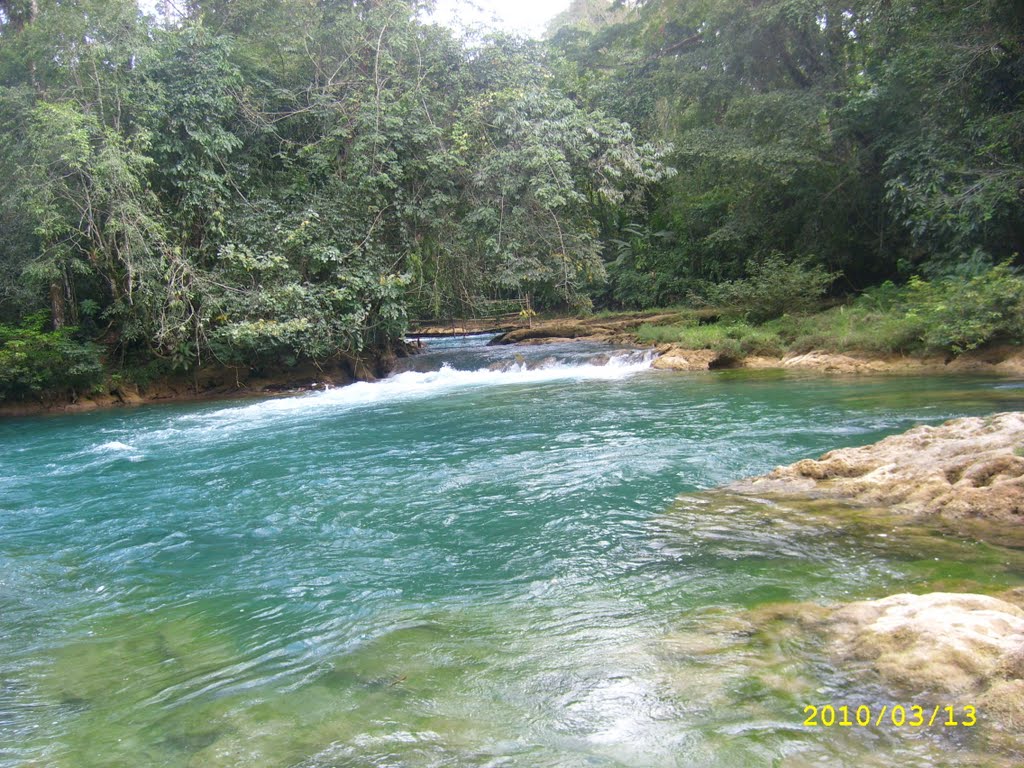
x: 34, y: 361
x: 773, y: 288
x: 249, y: 182
x: 254, y: 183
x: 879, y: 139
x: 944, y: 315
x: 961, y: 314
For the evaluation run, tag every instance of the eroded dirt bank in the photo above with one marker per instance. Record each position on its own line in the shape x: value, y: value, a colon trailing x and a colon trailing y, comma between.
x: 212, y: 383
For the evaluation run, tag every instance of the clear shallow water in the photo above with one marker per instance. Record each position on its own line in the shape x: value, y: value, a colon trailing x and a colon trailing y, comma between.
x: 456, y: 566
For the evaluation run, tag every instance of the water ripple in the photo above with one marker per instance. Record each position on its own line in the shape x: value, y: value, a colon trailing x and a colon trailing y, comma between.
x: 468, y: 566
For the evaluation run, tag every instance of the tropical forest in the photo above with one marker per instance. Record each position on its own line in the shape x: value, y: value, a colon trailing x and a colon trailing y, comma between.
x: 386, y: 384
x: 259, y: 183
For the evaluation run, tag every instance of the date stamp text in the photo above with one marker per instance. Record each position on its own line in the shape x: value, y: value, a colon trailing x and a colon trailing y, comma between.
x: 897, y: 715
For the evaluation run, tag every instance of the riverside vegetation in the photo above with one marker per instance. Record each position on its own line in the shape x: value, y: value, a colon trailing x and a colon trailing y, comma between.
x: 261, y: 187
x: 946, y: 315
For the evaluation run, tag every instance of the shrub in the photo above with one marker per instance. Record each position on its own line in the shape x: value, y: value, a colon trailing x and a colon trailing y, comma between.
x: 761, y: 341
x: 960, y: 314
x: 772, y: 288
x: 859, y: 326
x: 38, y: 363
x: 951, y: 314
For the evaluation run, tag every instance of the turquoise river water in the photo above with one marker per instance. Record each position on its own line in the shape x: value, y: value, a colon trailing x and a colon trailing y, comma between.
x: 480, y: 561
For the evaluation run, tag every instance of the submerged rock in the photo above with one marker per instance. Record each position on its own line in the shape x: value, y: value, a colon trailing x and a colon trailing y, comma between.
x: 546, y: 362
x: 970, y: 467
x: 930, y: 651
x: 944, y: 650
x: 934, y: 650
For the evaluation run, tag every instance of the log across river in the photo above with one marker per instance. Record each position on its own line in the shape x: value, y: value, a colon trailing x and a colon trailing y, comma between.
x: 496, y: 557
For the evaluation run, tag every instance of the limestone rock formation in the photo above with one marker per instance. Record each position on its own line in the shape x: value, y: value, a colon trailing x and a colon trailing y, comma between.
x: 970, y: 467
x: 676, y: 359
x: 940, y: 642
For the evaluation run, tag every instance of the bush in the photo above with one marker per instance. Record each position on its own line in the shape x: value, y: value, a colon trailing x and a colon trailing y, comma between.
x: 38, y: 363
x: 772, y: 288
x: 952, y: 314
x: 761, y: 341
x: 858, y: 327
x: 959, y: 314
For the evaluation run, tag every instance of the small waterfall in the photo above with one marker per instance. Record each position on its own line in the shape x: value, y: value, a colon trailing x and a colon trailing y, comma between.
x: 514, y: 369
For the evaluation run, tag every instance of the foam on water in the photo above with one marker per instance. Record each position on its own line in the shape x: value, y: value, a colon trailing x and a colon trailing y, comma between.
x: 114, y: 446
x: 214, y: 426
x: 416, y: 384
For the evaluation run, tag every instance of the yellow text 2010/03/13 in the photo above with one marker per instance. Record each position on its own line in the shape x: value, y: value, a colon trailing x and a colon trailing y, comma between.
x: 898, y: 715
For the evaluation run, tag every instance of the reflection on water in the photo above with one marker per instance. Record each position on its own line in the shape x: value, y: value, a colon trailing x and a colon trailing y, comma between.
x: 449, y: 570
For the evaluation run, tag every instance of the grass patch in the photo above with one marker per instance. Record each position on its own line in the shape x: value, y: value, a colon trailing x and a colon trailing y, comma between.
x: 864, y: 325
x: 735, y: 339
x: 850, y: 328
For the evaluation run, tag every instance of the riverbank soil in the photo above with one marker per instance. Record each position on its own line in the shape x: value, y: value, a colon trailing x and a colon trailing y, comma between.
x: 213, y: 383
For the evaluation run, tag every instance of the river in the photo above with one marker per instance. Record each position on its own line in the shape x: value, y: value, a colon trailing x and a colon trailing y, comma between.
x: 479, y: 561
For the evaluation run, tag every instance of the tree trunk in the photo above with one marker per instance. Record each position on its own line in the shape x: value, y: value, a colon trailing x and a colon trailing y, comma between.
x: 58, y: 304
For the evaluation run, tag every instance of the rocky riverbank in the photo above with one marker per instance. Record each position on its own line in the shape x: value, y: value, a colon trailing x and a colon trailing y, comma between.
x: 998, y: 360
x: 1006, y: 361
x: 965, y: 468
x: 959, y: 657
x: 939, y: 649
x: 952, y: 644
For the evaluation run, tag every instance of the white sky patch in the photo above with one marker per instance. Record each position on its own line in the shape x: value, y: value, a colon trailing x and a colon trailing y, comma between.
x: 524, y: 17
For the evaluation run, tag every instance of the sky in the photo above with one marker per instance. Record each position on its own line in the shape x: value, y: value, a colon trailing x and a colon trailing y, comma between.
x: 526, y: 17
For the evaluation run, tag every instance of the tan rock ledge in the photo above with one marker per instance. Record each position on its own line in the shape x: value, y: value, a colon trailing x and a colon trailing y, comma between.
x: 965, y: 468
x: 1000, y: 361
x: 943, y: 649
